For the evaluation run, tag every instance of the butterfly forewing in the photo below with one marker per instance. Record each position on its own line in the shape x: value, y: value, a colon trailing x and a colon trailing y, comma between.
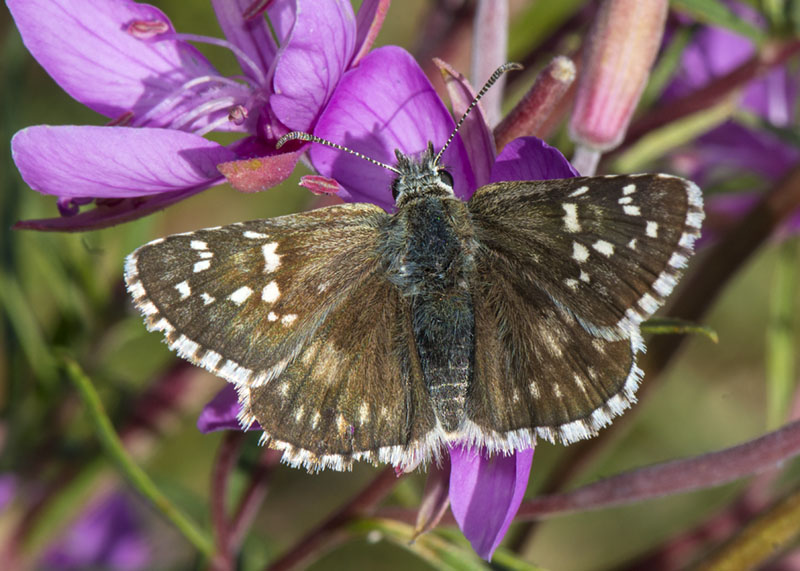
x: 565, y: 272
x: 242, y: 300
x: 297, y: 312
x: 607, y: 249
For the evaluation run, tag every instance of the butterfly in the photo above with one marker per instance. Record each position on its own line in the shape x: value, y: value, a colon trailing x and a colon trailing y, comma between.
x: 353, y: 334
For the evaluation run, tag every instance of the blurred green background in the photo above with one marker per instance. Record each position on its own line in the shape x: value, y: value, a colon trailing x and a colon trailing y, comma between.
x: 66, y: 291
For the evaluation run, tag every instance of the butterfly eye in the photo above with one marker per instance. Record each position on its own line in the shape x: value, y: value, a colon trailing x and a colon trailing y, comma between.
x: 446, y: 178
x: 395, y: 190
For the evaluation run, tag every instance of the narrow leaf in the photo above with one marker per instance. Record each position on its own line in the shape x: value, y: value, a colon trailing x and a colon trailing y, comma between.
x: 669, y: 326
x: 657, y: 143
x: 781, y: 335
x: 717, y: 13
x: 137, y: 477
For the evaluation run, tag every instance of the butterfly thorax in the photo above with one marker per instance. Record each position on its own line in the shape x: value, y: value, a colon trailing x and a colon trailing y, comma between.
x: 429, y: 256
x: 420, y: 177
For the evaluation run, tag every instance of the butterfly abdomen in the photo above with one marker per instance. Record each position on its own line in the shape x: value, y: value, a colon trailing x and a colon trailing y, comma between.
x: 432, y: 266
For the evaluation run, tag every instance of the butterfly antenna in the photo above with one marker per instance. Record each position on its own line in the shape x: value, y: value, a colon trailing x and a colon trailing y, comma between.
x: 491, y: 81
x: 301, y: 136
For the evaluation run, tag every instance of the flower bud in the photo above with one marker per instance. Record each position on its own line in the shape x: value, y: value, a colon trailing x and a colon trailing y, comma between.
x: 619, y: 53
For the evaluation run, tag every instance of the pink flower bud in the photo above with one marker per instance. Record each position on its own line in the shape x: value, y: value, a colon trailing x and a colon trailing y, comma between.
x: 619, y: 53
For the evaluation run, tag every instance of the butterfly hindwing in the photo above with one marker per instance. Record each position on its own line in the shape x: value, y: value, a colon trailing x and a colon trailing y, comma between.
x: 354, y: 392
x: 609, y: 248
x: 538, y: 372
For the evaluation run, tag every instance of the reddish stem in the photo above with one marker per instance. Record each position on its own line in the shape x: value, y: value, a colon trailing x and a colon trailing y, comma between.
x: 220, y: 476
x: 325, y: 533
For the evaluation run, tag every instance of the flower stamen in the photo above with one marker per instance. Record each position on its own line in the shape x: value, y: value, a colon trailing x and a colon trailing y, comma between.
x: 230, y: 92
x: 243, y: 58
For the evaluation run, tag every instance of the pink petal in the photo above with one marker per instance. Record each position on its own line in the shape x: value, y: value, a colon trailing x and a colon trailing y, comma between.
x: 108, y: 212
x: 115, y: 162
x: 252, y: 36
x: 85, y: 46
x: 261, y: 173
x: 385, y: 103
x: 221, y: 413
x: 310, y: 65
x: 485, y: 494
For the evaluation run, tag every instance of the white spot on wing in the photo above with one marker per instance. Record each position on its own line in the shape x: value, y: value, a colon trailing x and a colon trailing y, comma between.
x: 201, y: 265
x: 631, y: 210
x: 571, y: 284
x: 249, y: 234
x: 240, y: 295
x: 272, y: 316
x: 184, y: 289
x: 271, y: 293
x: 578, y: 191
x: 198, y: 245
x: 605, y: 248
x: 272, y: 261
x: 571, y: 223
x: 287, y: 319
x: 207, y: 299
x: 629, y: 189
x: 652, y: 229
x: 580, y: 252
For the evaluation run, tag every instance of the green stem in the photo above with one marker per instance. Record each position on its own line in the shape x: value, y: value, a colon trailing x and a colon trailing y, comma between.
x: 129, y: 469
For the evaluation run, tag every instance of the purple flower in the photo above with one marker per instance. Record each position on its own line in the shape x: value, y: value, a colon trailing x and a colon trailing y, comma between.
x: 126, y: 61
x: 387, y: 103
x: 712, y: 53
x: 108, y: 535
x: 733, y: 148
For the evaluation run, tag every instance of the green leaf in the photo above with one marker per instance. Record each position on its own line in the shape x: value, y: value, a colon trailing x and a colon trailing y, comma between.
x: 716, y: 13
x: 657, y: 143
x: 532, y: 27
x: 444, y: 548
x: 667, y: 326
x: 15, y: 305
x: 781, y: 335
x: 437, y: 551
x: 132, y: 472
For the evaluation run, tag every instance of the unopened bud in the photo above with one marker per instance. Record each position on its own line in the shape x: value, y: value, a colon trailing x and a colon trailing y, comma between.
x: 319, y: 184
x: 620, y: 51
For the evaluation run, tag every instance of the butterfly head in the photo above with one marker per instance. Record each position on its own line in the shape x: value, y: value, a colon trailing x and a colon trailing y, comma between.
x: 420, y: 176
